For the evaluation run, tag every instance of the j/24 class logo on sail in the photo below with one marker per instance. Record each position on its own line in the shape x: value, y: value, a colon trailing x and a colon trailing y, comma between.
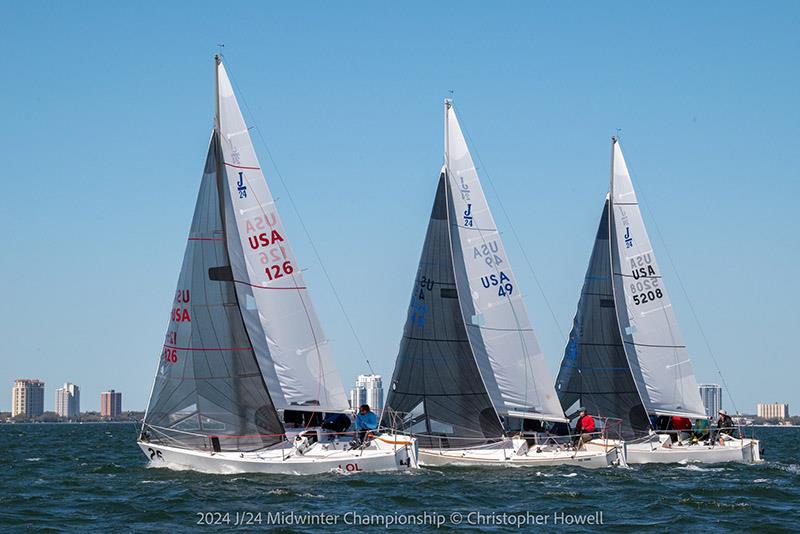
x: 499, y: 280
x: 240, y: 187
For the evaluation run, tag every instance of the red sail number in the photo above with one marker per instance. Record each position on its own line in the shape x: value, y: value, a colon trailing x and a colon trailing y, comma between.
x: 170, y: 355
x: 277, y: 271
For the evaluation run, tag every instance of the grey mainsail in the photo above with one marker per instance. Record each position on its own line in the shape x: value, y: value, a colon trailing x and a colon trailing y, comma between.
x: 436, y: 386
x: 594, y: 371
x: 208, y: 382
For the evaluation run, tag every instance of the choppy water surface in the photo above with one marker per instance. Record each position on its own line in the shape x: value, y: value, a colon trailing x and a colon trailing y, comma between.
x: 94, y: 478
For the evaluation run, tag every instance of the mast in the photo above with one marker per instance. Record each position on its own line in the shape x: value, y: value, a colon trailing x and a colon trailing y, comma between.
x: 448, y: 104
x: 611, y: 239
x: 217, y: 62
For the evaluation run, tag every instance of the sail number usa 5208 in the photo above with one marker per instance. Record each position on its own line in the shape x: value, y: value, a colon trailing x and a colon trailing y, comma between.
x: 645, y: 286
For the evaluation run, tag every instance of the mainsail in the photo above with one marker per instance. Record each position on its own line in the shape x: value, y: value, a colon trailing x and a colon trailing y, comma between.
x: 656, y: 352
x: 436, y: 383
x: 595, y: 373
x: 625, y: 357
x: 468, y: 355
x: 294, y: 354
x: 208, y: 381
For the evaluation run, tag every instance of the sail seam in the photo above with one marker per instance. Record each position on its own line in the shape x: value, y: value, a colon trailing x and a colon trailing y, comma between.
x: 656, y: 346
x: 501, y: 329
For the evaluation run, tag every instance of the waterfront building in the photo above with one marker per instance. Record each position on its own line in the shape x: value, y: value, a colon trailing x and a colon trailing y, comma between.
x: 27, y: 397
x: 772, y: 410
x: 711, y: 394
x: 68, y: 400
x: 368, y: 390
x: 110, y: 403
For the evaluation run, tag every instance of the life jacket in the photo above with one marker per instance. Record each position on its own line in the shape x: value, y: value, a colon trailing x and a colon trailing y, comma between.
x: 681, y: 423
x: 586, y: 424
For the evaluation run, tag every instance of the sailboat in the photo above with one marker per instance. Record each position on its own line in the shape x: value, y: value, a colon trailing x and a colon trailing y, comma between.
x: 625, y: 358
x: 470, y: 378
x: 244, y: 347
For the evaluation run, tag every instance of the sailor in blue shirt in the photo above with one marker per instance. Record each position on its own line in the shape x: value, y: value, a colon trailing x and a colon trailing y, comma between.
x: 365, y: 421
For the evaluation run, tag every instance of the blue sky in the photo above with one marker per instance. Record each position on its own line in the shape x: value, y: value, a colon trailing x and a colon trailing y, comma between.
x: 108, y: 108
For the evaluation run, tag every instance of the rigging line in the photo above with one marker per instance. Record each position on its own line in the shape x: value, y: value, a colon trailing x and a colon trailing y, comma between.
x: 300, y: 218
x: 683, y: 290
x: 514, y: 231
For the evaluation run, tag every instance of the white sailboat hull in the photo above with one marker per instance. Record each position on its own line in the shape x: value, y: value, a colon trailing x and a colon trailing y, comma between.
x: 509, y: 454
x: 653, y: 451
x: 387, y: 452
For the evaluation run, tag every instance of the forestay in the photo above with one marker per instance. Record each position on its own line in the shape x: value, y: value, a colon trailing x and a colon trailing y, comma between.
x: 208, y: 382
x: 506, y: 350
x: 293, y: 352
x: 656, y: 352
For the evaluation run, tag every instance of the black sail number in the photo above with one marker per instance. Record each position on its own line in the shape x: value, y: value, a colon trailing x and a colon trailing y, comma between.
x: 647, y: 296
x: 646, y: 290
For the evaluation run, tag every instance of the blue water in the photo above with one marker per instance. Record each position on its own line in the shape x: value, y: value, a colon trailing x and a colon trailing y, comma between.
x: 92, y: 477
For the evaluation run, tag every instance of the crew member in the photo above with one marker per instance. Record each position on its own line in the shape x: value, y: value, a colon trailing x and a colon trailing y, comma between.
x: 701, y: 430
x: 680, y: 428
x: 337, y: 423
x: 724, y: 425
x: 366, y: 420
x: 584, y: 427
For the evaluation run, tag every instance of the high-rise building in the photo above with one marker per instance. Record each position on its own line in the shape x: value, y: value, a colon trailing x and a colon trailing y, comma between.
x: 110, y: 403
x: 368, y: 390
x: 68, y: 400
x: 712, y: 398
x: 772, y: 410
x: 27, y: 398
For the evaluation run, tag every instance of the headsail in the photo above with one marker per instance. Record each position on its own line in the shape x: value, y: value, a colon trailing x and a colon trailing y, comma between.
x: 653, y: 342
x: 506, y: 349
x: 594, y: 371
x: 293, y: 352
x: 436, y: 385
x: 208, y: 381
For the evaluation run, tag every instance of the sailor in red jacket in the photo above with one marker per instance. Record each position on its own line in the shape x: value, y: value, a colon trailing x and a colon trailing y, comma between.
x: 584, y: 427
x: 681, y: 428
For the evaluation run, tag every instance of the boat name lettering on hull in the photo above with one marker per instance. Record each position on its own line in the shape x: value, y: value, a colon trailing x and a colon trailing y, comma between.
x: 350, y: 468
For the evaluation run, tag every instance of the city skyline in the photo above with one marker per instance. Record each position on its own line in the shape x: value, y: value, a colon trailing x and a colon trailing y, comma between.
x: 69, y: 395
x: 369, y: 388
x: 353, y: 119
